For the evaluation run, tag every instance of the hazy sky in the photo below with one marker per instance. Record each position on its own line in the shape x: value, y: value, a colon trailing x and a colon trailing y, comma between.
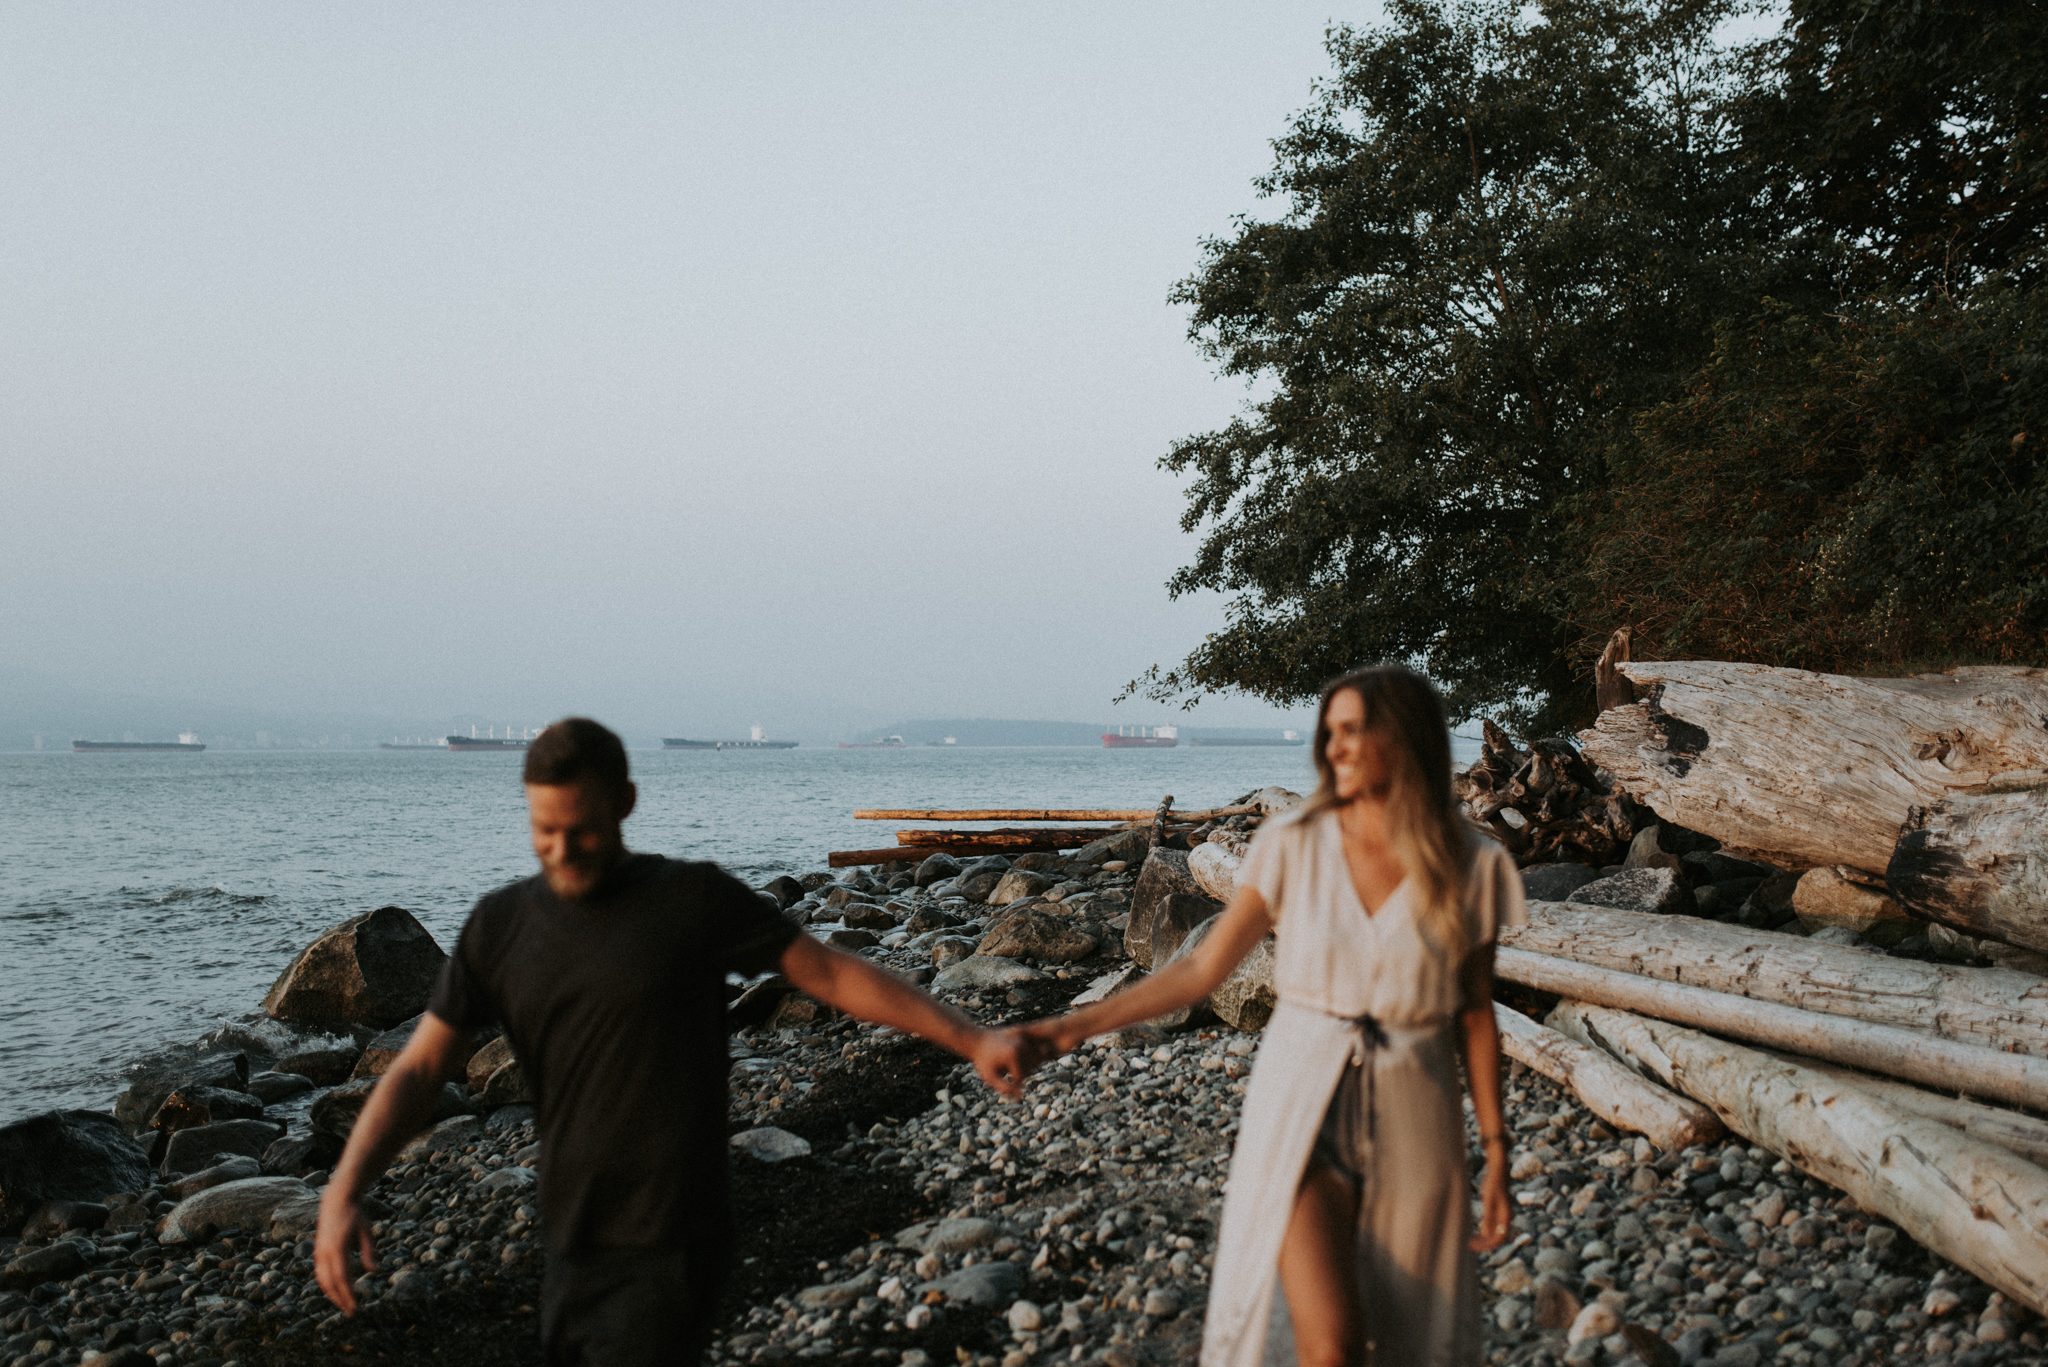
x: 690, y: 365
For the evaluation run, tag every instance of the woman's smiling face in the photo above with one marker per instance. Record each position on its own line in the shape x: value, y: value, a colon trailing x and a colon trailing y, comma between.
x: 1361, y: 760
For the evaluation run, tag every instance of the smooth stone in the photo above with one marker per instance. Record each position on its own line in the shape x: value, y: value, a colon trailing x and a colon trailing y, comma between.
x: 1026, y: 1317
x: 507, y: 1086
x: 273, y: 1087
x: 991, y: 1285
x: 950, y: 1236
x: 984, y: 970
x: 378, y: 968
x: 236, y: 1169
x: 245, y: 1205
x: 1824, y: 899
x: 869, y: 917
x: 771, y: 1145
x: 202, y: 1146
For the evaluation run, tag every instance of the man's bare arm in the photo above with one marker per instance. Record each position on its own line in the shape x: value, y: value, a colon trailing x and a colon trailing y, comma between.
x: 396, y: 1110
x: 857, y: 987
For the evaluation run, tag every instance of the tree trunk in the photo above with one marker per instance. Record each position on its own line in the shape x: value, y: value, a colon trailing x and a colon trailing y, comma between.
x: 1609, y: 1090
x: 1610, y: 687
x: 2012, y: 1078
x: 1800, y: 769
x: 1978, y: 863
x: 1996, y: 1008
x: 1977, y: 1205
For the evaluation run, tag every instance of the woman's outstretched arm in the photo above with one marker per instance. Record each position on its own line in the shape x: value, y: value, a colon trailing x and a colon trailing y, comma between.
x: 1482, y: 1069
x: 1184, y: 982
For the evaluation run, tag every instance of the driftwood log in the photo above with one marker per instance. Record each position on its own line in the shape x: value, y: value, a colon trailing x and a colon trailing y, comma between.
x: 2023, y: 1134
x: 1980, y: 1206
x: 1800, y: 769
x: 1119, y: 815
x: 1610, y: 1091
x: 1978, y: 862
x: 1995, y: 1008
x: 2016, y: 1079
x: 1014, y: 837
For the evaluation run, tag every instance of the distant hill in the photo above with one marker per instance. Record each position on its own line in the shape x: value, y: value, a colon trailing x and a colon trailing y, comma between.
x: 993, y: 731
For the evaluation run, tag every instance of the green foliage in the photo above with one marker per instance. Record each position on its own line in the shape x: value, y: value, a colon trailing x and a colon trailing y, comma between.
x: 1503, y: 239
x: 1573, y: 316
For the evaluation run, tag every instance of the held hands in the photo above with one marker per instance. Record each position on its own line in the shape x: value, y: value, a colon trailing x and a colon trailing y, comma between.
x: 343, y: 1231
x: 1004, y: 1058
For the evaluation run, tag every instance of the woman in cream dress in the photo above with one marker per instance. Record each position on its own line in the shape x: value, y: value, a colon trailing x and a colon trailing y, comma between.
x: 1349, y: 1186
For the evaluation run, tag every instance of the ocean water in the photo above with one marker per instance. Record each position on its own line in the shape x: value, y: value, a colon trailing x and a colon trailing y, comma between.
x: 151, y: 898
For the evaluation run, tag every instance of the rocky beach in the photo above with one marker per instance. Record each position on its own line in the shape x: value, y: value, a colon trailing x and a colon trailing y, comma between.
x: 889, y: 1208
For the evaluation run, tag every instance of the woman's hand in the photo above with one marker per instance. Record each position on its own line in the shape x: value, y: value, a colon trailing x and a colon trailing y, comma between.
x: 1045, y: 1040
x: 1495, y: 1210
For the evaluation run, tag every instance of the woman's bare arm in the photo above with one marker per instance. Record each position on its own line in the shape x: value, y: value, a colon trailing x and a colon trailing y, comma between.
x: 1184, y: 982
x: 1482, y: 1071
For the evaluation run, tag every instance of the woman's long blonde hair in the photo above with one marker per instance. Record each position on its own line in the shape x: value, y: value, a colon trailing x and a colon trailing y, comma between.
x: 1423, y: 825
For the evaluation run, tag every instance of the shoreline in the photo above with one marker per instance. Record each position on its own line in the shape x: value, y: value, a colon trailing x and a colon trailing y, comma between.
x: 1089, y: 1209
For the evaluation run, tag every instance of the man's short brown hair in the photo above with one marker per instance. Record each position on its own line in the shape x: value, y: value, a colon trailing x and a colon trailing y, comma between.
x: 578, y: 750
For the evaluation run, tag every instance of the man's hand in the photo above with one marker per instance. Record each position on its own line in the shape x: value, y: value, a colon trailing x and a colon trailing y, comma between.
x: 999, y: 1057
x: 343, y: 1231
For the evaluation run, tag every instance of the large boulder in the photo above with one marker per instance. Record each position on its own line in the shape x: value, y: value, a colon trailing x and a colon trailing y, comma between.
x: 1825, y: 899
x: 1165, y: 874
x: 1246, y: 998
x: 245, y: 1205
x: 1177, y: 917
x: 1129, y: 846
x: 378, y: 968
x: 1033, y: 935
x: 65, y: 1156
x: 135, y: 1107
x: 1661, y: 891
x: 201, y: 1146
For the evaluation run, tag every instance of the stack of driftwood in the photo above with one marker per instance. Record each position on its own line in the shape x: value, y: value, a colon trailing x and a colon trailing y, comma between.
x: 1078, y: 828
x: 1914, y: 1087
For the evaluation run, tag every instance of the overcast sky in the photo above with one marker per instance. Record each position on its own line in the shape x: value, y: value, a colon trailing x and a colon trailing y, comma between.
x: 689, y: 365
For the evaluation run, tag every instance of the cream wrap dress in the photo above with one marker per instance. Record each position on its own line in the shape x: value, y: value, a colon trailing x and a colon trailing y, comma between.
x: 1373, y: 988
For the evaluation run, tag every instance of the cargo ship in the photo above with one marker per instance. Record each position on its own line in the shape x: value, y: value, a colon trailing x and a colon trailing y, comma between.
x: 757, y: 739
x: 1141, y: 738
x: 1284, y: 738
x: 187, y: 743
x: 490, y: 740
x: 879, y: 743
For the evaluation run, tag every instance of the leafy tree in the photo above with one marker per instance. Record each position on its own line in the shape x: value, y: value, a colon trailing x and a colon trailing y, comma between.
x: 1503, y: 237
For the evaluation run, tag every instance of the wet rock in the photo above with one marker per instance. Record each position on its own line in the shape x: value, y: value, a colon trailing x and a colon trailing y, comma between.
x: 786, y: 891
x: 65, y: 1156
x: 326, y: 1067
x: 1555, y: 882
x: 378, y: 968
x: 200, y: 1147
x: 935, y: 868
x: 989, y: 1285
x: 55, y: 1263
x: 234, y: 1169
x: 771, y: 1145
x: 273, y: 1087
x: 984, y: 970
x: 1165, y: 874
x: 244, y: 1205
x: 1016, y: 885
x: 141, y: 1099
x: 197, y: 1105
x: 1660, y: 891
x: 1034, y: 935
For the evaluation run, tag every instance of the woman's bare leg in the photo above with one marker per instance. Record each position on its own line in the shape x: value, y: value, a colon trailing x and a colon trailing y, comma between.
x: 1319, y: 1269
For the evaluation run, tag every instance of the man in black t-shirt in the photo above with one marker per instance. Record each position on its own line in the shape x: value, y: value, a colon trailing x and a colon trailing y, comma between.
x: 607, y: 972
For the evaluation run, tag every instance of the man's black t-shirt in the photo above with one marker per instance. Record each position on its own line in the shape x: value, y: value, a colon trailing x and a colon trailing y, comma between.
x: 615, y: 1005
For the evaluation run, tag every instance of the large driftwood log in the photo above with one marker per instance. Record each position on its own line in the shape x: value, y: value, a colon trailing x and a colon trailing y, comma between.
x: 1045, y: 814
x: 1801, y: 769
x: 1978, y: 1205
x: 1997, y: 1008
x: 1978, y: 862
x: 1609, y: 1090
x: 2012, y: 1078
x: 1013, y: 837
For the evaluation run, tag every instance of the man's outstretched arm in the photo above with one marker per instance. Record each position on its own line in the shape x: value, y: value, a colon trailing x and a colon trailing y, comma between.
x: 396, y: 1110
x: 857, y: 987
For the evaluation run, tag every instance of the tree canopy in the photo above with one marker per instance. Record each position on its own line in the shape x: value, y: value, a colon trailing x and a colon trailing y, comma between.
x: 1575, y: 317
